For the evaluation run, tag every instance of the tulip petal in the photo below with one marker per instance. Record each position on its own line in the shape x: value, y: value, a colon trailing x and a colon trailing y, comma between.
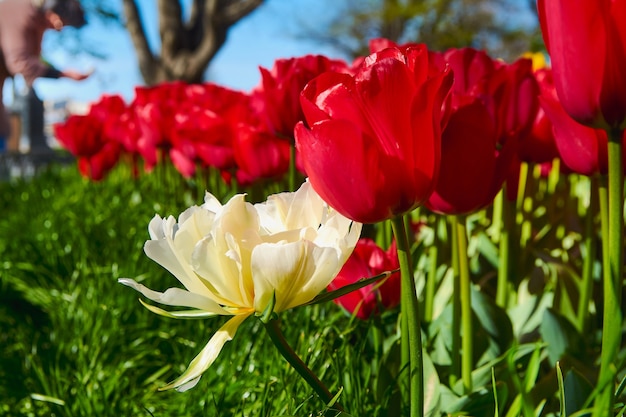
x: 296, y: 272
x: 219, y: 267
x: 470, y: 130
x: 291, y: 211
x: 337, y: 147
x: 176, y: 297
x: 207, y: 356
x: 221, y: 259
x: 576, y: 41
x: 386, y: 91
x: 583, y: 149
x: 182, y: 314
x: 172, y: 244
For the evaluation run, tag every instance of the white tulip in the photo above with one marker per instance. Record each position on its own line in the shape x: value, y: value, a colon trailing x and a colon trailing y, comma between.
x: 233, y: 259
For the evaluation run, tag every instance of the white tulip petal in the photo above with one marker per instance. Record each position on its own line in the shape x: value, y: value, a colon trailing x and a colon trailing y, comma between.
x: 182, y: 314
x: 325, y: 265
x: 207, y: 356
x: 176, y: 297
x: 172, y: 256
x: 282, y: 269
x: 239, y: 218
x: 288, y: 211
x: 306, y: 209
x: 211, y: 203
x: 157, y: 227
x: 220, y: 272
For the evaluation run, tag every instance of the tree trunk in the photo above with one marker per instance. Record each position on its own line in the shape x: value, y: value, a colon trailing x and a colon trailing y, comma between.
x: 187, y: 47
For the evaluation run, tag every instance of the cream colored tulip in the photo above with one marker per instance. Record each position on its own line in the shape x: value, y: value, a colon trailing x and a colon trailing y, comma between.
x: 233, y: 259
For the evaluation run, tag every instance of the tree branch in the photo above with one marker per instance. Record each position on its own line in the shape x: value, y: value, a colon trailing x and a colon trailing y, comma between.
x: 230, y: 12
x: 171, y: 30
x: 146, y: 60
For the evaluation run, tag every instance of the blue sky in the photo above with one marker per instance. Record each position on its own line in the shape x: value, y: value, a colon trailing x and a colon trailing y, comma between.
x: 266, y: 34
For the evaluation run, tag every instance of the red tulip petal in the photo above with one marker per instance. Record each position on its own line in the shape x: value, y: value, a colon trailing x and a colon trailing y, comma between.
x: 578, y: 145
x: 468, y: 162
x: 577, y: 44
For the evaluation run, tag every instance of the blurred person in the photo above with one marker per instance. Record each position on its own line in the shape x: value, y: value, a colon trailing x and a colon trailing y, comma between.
x: 22, y: 25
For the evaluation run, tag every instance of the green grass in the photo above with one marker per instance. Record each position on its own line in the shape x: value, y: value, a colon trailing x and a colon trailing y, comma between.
x: 74, y: 342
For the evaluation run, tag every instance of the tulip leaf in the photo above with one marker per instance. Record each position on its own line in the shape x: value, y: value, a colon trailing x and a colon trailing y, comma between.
x: 331, y: 295
x: 432, y: 391
x: 575, y: 391
x: 560, y: 335
x: 559, y: 375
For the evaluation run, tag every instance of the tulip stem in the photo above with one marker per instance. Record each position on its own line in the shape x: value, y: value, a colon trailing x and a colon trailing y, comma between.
x: 431, y: 283
x: 292, y: 168
x: 455, y: 351
x: 410, y: 321
x: 274, y: 332
x: 586, y: 286
x: 612, y: 277
x: 508, y: 223
x: 466, y: 304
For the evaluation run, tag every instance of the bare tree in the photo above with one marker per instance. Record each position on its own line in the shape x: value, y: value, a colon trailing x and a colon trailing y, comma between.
x: 187, y: 46
x: 505, y: 28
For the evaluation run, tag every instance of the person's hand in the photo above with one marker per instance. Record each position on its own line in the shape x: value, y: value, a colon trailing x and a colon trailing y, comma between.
x: 75, y: 75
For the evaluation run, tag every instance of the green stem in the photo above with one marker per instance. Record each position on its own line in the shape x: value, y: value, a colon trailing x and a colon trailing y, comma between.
x: 612, y: 277
x: 521, y: 186
x: 455, y: 366
x: 431, y: 281
x: 508, y: 223
x: 274, y: 332
x: 411, y: 320
x: 586, y: 286
x: 496, y: 218
x: 292, y: 168
x: 466, y: 306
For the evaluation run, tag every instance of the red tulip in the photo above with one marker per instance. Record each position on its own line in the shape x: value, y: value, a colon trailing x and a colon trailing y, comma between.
x: 260, y: 154
x: 154, y: 109
x: 80, y: 134
x: 98, y: 165
x: 582, y: 149
x: 92, y: 137
x: 193, y: 123
x: 491, y: 106
x: 539, y: 145
x: 366, y: 261
x: 277, y: 98
x: 587, y: 46
x: 373, y: 146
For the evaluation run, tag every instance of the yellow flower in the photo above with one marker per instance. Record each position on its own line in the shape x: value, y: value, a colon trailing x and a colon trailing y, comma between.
x: 234, y: 259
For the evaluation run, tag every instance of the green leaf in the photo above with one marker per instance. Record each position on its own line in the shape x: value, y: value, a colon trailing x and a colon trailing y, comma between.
x: 559, y: 375
x: 331, y: 295
x: 494, y: 320
x: 532, y: 369
x: 478, y: 403
x: 560, y: 335
x: 500, y: 392
x: 576, y: 390
x: 432, y: 393
x: 527, y: 315
x: 488, y: 249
